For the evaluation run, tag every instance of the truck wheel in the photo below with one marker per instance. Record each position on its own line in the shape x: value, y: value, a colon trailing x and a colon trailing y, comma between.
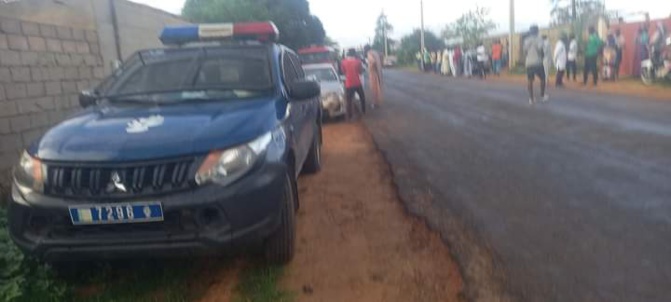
x: 279, y: 247
x: 314, y: 161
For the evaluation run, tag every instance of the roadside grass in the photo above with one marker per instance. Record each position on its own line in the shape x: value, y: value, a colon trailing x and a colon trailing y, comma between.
x: 152, y: 280
x: 259, y: 284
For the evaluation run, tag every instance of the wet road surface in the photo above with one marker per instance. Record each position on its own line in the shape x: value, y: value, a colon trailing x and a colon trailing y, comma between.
x: 564, y: 201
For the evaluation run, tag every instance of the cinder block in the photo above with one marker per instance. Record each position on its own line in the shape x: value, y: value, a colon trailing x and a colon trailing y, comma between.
x: 19, y: 123
x: 39, y: 119
x: 82, y: 85
x: 95, y: 48
x: 29, y: 58
x: 53, y: 88
x: 35, y: 89
x: 98, y: 72
x: 78, y: 34
x: 5, y: 75
x: 10, y: 142
x: 69, y: 87
x: 4, y: 126
x: 10, y: 26
x: 10, y: 58
x: 16, y: 42
x: 77, y: 59
x: 3, y: 41
x: 30, y: 29
x: 69, y: 46
x: 63, y: 60
x: 37, y: 43
x: 20, y: 74
x: 47, y: 59
x: 85, y: 73
x: 83, y: 47
x: 30, y: 136
x: 71, y: 73
x: 47, y: 31
x: 90, y: 60
x: 56, y: 73
x: 91, y: 36
x: 37, y: 74
x: 56, y: 116
x: 54, y: 45
x: 15, y: 91
x: 64, y: 33
x: 8, y: 108
x: 34, y: 105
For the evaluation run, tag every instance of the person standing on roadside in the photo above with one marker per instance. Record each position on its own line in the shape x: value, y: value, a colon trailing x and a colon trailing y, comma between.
x: 592, y: 50
x: 497, y: 55
x: 533, y: 51
x: 374, y: 74
x: 571, y: 65
x: 457, y: 60
x: 481, y: 55
x: 427, y: 60
x: 352, y: 68
x: 620, y: 45
x: 560, y: 60
x: 445, y: 68
x: 547, y: 56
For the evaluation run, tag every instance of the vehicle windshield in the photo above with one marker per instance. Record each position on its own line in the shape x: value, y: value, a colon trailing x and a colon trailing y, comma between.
x: 321, y: 74
x: 319, y: 57
x: 169, y: 75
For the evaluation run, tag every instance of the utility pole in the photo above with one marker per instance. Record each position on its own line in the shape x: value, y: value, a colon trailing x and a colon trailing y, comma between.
x: 511, y: 35
x: 423, y: 45
x: 384, y: 33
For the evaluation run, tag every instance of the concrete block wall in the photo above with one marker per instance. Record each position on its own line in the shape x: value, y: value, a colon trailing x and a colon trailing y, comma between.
x: 42, y: 69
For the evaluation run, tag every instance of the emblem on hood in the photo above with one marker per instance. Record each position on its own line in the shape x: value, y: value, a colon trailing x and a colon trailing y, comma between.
x: 144, y: 123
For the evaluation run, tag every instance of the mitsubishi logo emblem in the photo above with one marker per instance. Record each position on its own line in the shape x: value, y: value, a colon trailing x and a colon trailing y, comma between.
x: 116, y: 183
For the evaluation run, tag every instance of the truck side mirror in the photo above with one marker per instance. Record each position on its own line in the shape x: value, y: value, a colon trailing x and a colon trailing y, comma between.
x: 88, y: 98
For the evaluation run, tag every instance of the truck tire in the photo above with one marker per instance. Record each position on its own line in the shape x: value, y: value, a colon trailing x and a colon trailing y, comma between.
x: 279, y: 247
x: 313, y: 163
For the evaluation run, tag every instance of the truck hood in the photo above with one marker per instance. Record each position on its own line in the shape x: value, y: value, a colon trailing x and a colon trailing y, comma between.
x: 122, y: 132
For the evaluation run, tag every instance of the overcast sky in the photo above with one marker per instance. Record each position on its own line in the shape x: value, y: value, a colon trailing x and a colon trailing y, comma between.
x: 352, y: 22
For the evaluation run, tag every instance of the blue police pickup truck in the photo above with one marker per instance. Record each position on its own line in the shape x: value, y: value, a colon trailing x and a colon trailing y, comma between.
x: 190, y: 149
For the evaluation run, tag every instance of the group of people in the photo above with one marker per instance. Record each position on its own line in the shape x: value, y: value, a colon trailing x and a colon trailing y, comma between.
x: 539, y: 58
x: 352, y: 67
x: 650, y: 46
x: 455, y: 61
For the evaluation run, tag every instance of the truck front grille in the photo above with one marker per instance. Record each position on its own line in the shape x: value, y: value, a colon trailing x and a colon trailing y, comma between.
x: 118, y: 180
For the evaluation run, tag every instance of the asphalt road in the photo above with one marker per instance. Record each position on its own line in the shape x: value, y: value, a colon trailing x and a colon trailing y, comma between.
x: 564, y: 201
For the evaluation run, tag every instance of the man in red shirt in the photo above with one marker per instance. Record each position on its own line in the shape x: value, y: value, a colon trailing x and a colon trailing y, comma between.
x: 352, y: 68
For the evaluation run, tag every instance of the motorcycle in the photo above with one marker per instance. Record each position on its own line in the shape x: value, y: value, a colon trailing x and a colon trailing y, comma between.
x: 655, y: 70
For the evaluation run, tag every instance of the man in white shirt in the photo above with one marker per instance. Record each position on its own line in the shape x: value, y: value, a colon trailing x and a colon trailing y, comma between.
x: 571, y: 66
x: 482, y: 57
x: 547, y: 56
x: 560, y: 60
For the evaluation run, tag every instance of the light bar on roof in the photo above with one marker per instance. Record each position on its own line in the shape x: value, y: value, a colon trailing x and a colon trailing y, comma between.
x: 259, y: 31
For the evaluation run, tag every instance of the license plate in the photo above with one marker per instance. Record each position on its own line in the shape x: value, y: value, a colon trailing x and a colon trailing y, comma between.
x: 116, y: 213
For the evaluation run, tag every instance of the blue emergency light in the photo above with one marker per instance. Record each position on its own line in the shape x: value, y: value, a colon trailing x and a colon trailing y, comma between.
x: 182, y: 34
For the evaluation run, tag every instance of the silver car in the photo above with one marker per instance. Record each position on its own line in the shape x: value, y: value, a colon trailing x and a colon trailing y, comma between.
x: 333, y: 89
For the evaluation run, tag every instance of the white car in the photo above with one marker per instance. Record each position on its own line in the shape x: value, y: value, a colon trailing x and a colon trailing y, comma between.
x: 333, y: 89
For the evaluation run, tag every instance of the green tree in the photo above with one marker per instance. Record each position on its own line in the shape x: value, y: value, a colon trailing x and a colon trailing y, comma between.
x: 569, y: 12
x: 298, y: 28
x: 471, y: 27
x: 411, y: 43
x: 382, y: 28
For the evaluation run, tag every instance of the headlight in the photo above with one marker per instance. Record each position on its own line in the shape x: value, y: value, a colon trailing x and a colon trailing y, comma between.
x: 331, y: 98
x: 30, y: 172
x: 227, y: 166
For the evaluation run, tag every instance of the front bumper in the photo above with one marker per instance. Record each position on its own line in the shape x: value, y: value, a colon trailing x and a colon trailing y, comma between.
x: 205, y: 220
x: 334, y: 107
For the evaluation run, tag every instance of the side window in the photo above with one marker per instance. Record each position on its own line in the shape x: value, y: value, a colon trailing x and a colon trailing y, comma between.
x: 297, y: 65
x: 288, y: 70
